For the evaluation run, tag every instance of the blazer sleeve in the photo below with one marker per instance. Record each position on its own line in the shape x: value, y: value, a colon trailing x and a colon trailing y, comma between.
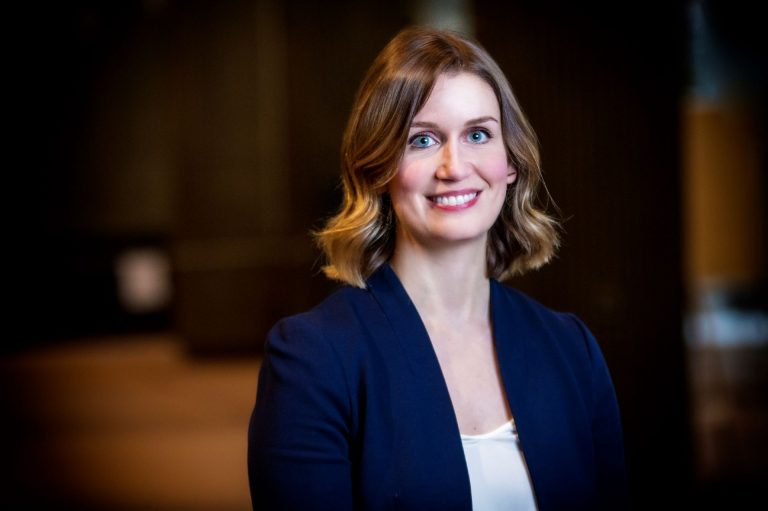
x: 607, y: 435
x: 298, y: 448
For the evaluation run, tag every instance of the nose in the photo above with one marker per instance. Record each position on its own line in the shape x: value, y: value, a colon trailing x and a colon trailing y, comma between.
x: 450, y: 165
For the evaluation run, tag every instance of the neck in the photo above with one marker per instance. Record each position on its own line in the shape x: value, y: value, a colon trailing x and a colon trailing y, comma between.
x: 448, y: 285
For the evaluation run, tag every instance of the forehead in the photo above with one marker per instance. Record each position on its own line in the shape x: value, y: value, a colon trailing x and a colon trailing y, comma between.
x: 460, y: 95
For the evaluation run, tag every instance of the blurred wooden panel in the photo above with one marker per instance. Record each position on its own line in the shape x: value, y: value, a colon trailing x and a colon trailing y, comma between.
x: 724, y: 195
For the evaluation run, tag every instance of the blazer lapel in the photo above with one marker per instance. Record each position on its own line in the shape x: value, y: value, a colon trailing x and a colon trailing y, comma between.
x: 511, y: 337
x: 423, y: 395
x: 411, y: 334
x: 524, y: 379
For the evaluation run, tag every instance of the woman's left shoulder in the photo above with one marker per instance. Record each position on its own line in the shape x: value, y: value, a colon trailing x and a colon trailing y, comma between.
x: 562, y: 327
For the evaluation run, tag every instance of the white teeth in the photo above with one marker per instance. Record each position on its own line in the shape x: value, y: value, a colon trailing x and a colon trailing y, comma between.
x: 455, y: 200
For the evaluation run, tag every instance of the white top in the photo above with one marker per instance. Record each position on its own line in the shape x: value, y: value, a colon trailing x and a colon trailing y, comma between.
x: 497, y: 473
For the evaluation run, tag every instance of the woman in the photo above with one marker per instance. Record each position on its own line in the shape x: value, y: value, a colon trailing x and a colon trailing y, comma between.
x: 425, y: 384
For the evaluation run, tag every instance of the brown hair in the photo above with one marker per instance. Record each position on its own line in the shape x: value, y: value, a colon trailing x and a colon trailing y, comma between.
x: 361, y: 236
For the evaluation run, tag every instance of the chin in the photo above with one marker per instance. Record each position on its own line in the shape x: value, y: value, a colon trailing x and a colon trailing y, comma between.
x: 458, y: 236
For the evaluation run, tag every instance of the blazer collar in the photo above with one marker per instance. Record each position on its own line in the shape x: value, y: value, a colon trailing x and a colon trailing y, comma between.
x: 517, y: 341
x: 411, y: 334
x: 511, y: 336
x: 514, y: 335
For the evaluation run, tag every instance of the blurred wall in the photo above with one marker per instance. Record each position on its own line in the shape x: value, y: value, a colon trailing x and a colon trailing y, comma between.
x: 206, y: 130
x: 726, y: 207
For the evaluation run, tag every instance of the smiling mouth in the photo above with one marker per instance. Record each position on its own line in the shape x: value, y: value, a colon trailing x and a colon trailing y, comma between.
x: 453, y: 200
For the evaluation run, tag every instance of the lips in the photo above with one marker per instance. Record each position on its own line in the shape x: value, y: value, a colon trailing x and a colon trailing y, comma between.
x: 458, y: 199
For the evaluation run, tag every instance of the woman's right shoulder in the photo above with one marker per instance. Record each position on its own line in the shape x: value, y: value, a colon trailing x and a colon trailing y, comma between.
x: 337, y: 319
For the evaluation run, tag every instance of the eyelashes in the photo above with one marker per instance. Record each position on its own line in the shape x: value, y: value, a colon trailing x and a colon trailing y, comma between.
x: 425, y: 139
x: 479, y: 136
x: 422, y: 141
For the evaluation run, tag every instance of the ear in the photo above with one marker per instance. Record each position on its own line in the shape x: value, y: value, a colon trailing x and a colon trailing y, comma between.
x: 511, y: 174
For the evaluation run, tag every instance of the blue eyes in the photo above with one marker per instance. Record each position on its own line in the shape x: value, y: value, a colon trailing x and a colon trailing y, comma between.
x: 424, y: 140
x: 478, y: 136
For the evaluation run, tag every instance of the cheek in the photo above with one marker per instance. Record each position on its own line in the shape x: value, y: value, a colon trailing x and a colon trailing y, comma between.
x: 406, y: 180
x: 496, y: 168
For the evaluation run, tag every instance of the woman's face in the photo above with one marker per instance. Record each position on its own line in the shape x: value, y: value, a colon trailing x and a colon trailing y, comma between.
x: 452, y: 179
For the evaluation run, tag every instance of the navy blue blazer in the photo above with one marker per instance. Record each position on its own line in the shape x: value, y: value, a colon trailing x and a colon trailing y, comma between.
x: 353, y: 412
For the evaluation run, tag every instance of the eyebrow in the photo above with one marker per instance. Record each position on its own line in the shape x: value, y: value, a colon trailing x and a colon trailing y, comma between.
x: 477, y: 120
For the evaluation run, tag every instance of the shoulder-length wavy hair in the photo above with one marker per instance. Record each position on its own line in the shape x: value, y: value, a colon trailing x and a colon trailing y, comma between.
x: 361, y: 237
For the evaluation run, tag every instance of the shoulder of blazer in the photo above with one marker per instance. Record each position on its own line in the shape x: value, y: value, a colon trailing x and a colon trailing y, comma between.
x: 347, y: 307
x: 341, y: 320
x: 566, y: 331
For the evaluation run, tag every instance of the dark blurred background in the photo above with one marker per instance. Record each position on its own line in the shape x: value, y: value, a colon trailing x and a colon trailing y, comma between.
x: 167, y: 160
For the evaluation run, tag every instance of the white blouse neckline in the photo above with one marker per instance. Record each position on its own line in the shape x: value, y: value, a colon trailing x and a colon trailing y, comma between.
x: 502, y: 430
